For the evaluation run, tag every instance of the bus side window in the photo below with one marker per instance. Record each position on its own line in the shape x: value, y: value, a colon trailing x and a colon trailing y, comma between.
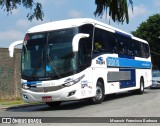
x: 121, y: 48
x: 113, y: 42
x: 98, y: 40
x: 144, y: 50
x: 129, y: 47
x: 115, y: 48
x: 120, y: 45
x: 132, y: 51
x: 110, y: 42
x: 84, y: 52
x: 127, y: 42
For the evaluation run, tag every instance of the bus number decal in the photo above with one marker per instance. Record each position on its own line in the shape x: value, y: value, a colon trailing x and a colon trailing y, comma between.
x: 112, y: 61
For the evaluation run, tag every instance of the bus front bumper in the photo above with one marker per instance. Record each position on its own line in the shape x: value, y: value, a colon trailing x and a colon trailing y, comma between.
x: 65, y: 94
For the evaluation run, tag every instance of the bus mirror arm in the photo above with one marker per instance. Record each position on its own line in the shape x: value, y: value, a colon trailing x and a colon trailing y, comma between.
x: 75, y: 41
x: 11, y: 47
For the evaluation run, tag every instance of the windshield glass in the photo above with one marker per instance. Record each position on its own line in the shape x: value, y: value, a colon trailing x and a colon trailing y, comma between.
x: 48, y: 54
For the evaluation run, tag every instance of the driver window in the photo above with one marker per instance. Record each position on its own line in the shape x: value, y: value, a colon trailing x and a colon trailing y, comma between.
x: 98, y: 40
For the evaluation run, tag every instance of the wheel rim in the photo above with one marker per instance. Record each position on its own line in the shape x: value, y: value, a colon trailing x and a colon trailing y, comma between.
x: 98, y: 93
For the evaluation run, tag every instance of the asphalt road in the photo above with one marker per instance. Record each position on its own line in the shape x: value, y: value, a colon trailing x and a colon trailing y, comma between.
x: 120, y: 105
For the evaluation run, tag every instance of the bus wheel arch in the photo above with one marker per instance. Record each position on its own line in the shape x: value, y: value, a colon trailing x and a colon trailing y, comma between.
x: 100, y: 92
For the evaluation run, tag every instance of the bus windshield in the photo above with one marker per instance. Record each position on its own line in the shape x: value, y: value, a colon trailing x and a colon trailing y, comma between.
x: 48, y: 54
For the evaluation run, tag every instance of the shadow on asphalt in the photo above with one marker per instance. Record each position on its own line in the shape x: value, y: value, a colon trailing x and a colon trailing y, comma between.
x: 71, y: 105
x: 155, y: 88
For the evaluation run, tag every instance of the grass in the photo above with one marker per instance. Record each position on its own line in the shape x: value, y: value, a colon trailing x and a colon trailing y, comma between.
x: 14, y: 102
x: 11, y: 102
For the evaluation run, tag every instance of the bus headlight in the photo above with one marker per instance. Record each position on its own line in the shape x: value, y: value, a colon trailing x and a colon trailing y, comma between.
x: 24, y: 86
x: 73, y: 81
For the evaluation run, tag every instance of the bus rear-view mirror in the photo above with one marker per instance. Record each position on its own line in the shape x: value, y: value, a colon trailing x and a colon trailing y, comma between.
x: 76, y: 39
x: 12, y: 46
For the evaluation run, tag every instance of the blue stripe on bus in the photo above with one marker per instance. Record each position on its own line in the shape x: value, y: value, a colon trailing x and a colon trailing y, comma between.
x: 33, y: 82
x: 127, y: 63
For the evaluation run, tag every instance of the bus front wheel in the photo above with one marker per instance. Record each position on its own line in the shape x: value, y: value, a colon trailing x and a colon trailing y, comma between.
x: 99, y: 97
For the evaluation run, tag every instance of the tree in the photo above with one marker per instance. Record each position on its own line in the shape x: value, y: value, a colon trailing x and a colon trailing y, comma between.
x: 36, y: 12
x: 118, y: 9
x: 150, y: 31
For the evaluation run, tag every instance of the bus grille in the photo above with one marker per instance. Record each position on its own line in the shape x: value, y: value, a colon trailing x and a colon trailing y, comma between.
x: 45, y: 89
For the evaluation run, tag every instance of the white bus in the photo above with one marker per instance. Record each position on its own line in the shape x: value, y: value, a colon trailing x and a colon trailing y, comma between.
x: 81, y: 58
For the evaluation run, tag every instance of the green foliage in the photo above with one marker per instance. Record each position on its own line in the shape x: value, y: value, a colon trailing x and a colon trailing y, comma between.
x: 35, y: 8
x: 118, y: 9
x: 150, y: 31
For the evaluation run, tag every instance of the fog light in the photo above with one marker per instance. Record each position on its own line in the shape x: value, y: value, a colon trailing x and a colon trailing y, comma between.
x: 25, y: 96
x: 71, y: 93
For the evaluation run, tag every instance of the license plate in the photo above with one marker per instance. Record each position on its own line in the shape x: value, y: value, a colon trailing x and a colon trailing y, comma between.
x: 47, y: 98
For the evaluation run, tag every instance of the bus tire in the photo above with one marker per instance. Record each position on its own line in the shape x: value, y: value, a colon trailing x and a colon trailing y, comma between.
x: 54, y: 104
x: 141, y: 89
x: 99, y: 97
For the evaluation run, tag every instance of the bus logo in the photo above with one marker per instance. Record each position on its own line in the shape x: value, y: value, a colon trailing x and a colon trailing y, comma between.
x: 100, y: 61
x: 45, y: 90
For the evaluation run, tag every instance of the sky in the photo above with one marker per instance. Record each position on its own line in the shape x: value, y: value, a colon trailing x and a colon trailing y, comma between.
x: 14, y: 26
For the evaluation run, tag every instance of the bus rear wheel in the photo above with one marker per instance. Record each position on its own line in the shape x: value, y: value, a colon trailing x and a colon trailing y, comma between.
x: 54, y: 104
x: 141, y: 89
x: 99, y: 97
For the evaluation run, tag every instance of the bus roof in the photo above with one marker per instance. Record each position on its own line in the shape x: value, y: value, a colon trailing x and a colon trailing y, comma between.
x: 55, y: 25
x: 62, y: 24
